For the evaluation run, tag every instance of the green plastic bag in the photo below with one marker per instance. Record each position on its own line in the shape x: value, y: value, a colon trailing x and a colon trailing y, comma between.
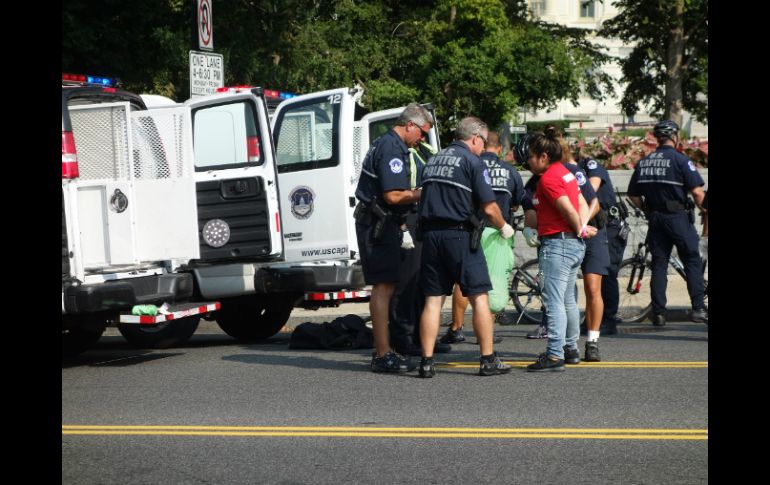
x: 498, y: 252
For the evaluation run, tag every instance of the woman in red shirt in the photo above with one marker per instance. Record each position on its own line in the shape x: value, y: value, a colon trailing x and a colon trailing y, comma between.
x: 562, y: 216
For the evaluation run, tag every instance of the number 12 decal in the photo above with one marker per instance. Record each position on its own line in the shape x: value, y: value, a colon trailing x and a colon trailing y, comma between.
x: 335, y: 98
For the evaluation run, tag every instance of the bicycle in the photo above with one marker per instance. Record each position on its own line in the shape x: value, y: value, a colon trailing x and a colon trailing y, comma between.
x: 635, y: 298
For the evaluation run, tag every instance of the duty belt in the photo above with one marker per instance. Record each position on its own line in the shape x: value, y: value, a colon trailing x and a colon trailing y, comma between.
x: 444, y: 225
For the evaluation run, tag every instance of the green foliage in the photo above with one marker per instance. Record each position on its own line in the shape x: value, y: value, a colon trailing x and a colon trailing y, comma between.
x: 562, y: 125
x: 648, y: 26
x: 622, y: 151
x: 469, y: 57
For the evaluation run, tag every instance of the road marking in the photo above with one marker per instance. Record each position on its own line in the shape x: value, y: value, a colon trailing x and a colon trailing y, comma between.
x: 384, y: 432
x: 583, y: 364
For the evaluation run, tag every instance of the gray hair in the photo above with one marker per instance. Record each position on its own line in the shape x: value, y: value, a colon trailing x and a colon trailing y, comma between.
x: 469, y: 127
x: 415, y: 113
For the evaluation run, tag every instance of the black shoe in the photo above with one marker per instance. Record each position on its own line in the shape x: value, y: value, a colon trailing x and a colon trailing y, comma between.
x: 700, y: 316
x: 492, y: 365
x: 392, y: 362
x: 504, y: 318
x: 658, y: 320
x: 571, y: 356
x: 546, y: 364
x: 416, y: 350
x: 427, y: 367
x: 539, y: 332
x: 592, y: 352
x: 453, y: 336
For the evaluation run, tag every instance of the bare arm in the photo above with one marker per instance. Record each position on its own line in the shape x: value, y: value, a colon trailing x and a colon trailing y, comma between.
x: 636, y: 200
x: 402, y: 197
x: 698, y: 194
x: 569, y: 213
x: 530, y: 218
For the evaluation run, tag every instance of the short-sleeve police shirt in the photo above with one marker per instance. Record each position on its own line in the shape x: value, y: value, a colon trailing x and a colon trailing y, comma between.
x: 385, y: 168
x: 455, y: 182
x: 506, y: 183
x: 664, y: 174
x: 606, y: 192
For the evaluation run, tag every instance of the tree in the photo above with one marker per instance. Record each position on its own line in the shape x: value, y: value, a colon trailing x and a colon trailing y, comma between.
x: 668, y: 65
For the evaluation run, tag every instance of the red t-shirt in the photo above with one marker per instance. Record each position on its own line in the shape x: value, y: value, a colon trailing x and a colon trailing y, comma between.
x: 554, y: 183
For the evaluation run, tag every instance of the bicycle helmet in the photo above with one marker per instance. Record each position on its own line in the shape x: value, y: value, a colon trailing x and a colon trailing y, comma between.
x: 665, y: 129
x: 521, y: 150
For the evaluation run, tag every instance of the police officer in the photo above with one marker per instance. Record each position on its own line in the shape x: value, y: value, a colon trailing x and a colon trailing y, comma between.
x: 509, y: 189
x: 456, y: 184
x: 408, y: 299
x: 385, y: 196
x: 659, y: 185
x: 598, y: 264
x: 611, y: 217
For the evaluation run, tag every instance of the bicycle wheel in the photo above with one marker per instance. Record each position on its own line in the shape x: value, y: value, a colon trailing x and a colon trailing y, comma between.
x: 525, y: 293
x: 634, y: 307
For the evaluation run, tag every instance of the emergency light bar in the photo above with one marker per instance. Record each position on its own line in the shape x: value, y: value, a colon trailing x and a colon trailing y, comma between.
x: 268, y: 92
x: 80, y: 78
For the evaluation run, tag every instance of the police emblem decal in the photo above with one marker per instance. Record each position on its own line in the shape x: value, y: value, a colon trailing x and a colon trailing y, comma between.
x: 692, y: 165
x: 581, y: 179
x: 396, y: 165
x: 301, y: 199
x: 487, y: 178
x: 592, y: 164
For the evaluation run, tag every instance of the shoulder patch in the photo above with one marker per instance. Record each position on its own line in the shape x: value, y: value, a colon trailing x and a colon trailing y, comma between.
x: 592, y: 164
x: 487, y: 178
x: 396, y: 165
x: 692, y: 165
x: 581, y: 179
x: 568, y: 177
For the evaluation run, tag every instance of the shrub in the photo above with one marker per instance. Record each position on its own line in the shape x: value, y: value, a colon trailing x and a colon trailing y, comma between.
x: 620, y: 151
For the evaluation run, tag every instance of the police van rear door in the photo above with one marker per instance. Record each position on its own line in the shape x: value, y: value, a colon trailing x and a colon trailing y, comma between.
x: 314, y: 140
x: 236, y: 181
x: 374, y: 125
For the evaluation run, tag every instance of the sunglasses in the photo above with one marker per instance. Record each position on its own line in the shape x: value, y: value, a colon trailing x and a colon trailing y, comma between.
x: 424, y: 133
x: 482, y: 138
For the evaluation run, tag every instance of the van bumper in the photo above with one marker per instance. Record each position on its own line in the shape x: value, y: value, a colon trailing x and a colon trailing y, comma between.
x: 122, y: 294
x: 308, y: 278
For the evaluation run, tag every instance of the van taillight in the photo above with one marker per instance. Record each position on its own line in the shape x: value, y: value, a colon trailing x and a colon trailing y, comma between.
x: 69, y: 156
x: 252, y: 148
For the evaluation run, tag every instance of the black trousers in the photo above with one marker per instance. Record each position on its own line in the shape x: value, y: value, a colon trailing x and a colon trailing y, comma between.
x: 408, y: 299
x: 610, y: 289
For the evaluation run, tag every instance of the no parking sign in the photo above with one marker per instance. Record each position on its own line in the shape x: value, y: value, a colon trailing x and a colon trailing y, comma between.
x: 205, y: 26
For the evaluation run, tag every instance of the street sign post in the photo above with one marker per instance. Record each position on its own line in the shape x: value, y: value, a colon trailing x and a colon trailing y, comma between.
x: 518, y: 128
x: 206, y: 73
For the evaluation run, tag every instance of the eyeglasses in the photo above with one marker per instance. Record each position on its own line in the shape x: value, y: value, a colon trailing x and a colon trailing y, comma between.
x: 482, y: 138
x: 423, y: 133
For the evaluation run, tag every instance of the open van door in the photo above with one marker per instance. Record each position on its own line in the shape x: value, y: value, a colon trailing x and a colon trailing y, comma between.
x: 376, y: 124
x: 236, y: 186
x: 314, y: 153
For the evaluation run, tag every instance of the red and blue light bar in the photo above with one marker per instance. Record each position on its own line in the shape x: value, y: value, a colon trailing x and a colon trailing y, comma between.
x: 81, y: 78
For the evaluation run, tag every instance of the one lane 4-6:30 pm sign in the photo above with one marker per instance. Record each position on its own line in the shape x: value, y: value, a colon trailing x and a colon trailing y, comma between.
x: 206, y: 73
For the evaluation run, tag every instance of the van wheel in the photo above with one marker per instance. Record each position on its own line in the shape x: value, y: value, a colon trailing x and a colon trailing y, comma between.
x: 256, y: 319
x: 172, y: 333
x: 77, y: 340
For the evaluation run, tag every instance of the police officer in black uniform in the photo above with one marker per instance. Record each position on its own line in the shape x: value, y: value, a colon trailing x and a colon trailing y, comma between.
x: 456, y: 184
x: 509, y: 189
x: 385, y: 195
x: 612, y: 218
x: 659, y: 186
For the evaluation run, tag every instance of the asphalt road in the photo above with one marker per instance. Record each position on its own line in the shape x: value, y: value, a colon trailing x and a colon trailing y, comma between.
x: 216, y: 411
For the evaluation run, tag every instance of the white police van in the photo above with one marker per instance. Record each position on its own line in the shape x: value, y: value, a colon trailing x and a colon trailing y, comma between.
x: 128, y: 217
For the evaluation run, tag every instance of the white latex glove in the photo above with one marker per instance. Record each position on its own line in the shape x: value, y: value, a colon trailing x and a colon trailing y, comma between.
x: 407, y: 242
x: 506, y: 231
x: 530, y: 235
x: 704, y: 247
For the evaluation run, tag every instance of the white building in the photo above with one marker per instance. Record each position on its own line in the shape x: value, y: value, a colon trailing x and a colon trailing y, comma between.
x: 590, y: 15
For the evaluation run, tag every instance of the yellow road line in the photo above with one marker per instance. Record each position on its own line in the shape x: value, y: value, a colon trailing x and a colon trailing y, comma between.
x: 583, y: 364
x: 385, y: 432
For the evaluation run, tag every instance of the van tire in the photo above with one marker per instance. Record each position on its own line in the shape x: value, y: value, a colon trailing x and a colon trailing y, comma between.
x: 256, y: 318
x: 172, y: 333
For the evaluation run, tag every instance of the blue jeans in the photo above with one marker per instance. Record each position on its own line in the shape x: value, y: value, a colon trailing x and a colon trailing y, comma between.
x: 559, y: 262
